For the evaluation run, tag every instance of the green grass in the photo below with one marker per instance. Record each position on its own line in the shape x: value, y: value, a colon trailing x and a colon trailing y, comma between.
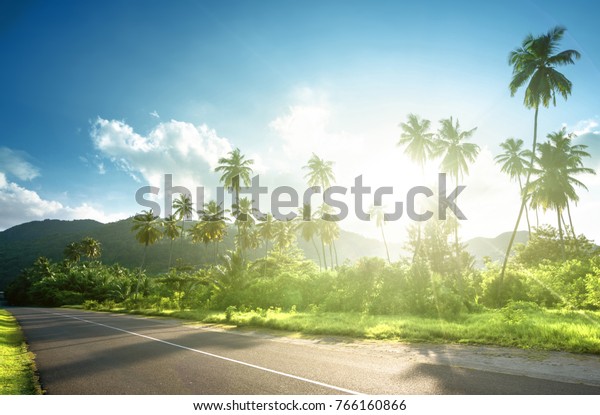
x: 572, y: 331
x: 16, y: 363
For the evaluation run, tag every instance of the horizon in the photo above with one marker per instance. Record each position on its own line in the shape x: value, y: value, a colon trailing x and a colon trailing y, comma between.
x: 125, y: 95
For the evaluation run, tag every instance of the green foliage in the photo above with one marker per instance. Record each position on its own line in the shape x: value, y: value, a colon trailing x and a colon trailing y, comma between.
x: 545, y: 245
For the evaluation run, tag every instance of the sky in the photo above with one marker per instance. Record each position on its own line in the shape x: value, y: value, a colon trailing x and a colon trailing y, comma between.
x: 102, y: 98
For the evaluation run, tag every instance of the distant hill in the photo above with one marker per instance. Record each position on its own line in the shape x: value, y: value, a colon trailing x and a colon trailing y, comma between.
x: 494, y: 248
x: 22, y: 244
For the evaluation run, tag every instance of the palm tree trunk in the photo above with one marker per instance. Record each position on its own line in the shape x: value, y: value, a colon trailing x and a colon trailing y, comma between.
x: 387, y: 252
x: 526, y: 209
x: 337, y: 264
x: 317, y: 251
x: 575, y: 242
x: 170, y: 254
x: 560, y: 232
x: 324, y: 257
x: 523, y: 199
x: 331, y: 254
x: 418, y: 247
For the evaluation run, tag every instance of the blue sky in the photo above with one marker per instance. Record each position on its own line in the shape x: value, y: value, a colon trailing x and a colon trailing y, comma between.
x: 83, y: 82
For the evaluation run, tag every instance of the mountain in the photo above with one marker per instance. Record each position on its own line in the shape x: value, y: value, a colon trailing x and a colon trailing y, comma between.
x: 494, y: 248
x: 22, y: 244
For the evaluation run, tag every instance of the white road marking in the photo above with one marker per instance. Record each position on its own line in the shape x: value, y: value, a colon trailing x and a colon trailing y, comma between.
x: 216, y: 356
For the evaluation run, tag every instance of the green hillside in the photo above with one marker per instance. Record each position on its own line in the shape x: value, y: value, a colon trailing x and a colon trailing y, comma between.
x: 22, y: 244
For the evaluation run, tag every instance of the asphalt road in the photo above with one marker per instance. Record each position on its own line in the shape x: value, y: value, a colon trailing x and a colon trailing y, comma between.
x: 82, y: 352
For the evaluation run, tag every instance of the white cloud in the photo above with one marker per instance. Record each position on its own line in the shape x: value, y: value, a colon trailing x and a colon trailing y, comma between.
x: 19, y: 205
x: 188, y: 152
x: 13, y: 162
x: 155, y: 114
x: 583, y: 127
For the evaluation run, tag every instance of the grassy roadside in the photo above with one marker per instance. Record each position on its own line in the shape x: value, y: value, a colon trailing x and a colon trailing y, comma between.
x: 572, y: 331
x: 16, y: 363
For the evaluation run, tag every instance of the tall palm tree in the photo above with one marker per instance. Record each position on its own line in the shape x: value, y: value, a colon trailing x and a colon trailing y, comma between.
x: 320, y: 173
x: 172, y: 230
x: 183, y: 211
x: 377, y: 213
x: 534, y: 65
x: 456, y: 154
x: 418, y: 142
x: 515, y: 163
x: 147, y: 227
x: 235, y: 170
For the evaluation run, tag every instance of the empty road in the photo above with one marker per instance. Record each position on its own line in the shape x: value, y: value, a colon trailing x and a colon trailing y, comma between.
x: 84, y: 352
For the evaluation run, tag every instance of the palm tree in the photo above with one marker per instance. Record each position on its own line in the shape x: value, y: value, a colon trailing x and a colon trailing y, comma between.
x: 330, y: 231
x: 418, y: 142
x: 515, y: 163
x: 456, y: 154
x: 172, y: 231
x: 285, y: 234
x: 320, y: 172
x: 72, y: 252
x: 574, y: 153
x: 212, y: 226
x: 266, y: 230
x: 243, y: 212
x: 555, y: 165
x: 377, y: 213
x: 183, y: 211
x: 534, y: 64
x: 148, y: 232
x: 235, y: 170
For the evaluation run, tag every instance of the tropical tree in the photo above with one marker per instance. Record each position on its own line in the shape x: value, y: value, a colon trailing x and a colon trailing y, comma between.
x: 266, y: 230
x: 377, y: 213
x: 212, y: 226
x: 515, y: 163
x: 235, y: 170
x: 320, y: 172
x: 456, y: 154
x: 246, y: 237
x: 183, y: 211
x: 172, y: 230
x: 147, y: 228
x: 555, y: 165
x: 534, y: 64
x: 72, y: 252
x: 285, y: 234
x: 418, y: 142
x: 574, y: 154
x: 90, y: 248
